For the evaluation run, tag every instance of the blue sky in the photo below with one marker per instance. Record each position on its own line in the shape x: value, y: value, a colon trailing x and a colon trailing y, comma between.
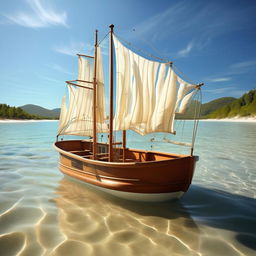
x: 209, y: 41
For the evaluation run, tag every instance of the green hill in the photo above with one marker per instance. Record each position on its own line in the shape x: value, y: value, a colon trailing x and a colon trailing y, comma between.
x: 244, y: 106
x: 40, y: 111
x: 57, y: 110
x: 213, y: 105
x: 218, y: 108
x: 7, y: 112
x: 206, y: 108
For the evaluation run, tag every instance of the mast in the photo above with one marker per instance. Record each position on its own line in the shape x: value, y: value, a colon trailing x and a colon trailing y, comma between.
x: 94, y: 149
x: 124, y: 144
x: 111, y: 89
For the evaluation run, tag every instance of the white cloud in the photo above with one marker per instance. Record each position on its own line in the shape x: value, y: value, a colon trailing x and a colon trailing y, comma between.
x: 184, y: 52
x: 244, y: 64
x: 61, y: 69
x: 105, y: 47
x: 39, y: 16
x: 231, y: 91
x: 219, y: 79
x: 49, y: 79
x: 242, y: 67
x: 163, y: 23
x: 182, y: 20
x: 73, y: 48
x: 219, y: 90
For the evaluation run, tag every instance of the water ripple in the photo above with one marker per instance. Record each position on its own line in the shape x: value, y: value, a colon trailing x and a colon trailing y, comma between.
x: 42, y: 213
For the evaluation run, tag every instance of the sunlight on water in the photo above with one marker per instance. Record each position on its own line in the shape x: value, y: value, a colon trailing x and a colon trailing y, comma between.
x: 44, y: 213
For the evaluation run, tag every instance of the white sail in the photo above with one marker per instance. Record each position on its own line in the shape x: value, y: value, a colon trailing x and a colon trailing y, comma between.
x: 76, y: 117
x: 148, y: 93
x: 185, y: 102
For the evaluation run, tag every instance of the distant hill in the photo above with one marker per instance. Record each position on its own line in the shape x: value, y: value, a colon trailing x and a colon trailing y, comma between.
x: 218, y: 108
x: 206, y: 108
x: 8, y: 112
x: 57, y: 110
x: 213, y: 105
x: 40, y: 111
x: 244, y: 106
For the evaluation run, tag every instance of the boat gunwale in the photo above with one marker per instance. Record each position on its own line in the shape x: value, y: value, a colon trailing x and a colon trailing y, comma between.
x: 120, y: 179
x: 123, y: 164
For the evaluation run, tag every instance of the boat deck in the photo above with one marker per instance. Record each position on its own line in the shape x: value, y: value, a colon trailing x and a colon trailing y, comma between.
x: 83, y: 148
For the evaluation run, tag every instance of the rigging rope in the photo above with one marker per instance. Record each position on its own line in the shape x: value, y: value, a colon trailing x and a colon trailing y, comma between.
x: 140, y: 50
x: 198, y: 104
x: 150, y: 56
x: 103, y: 39
x: 155, y: 57
x: 196, y: 119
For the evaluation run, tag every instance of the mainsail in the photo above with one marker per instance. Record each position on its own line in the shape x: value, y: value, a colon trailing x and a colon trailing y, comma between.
x: 76, y: 117
x: 149, y: 93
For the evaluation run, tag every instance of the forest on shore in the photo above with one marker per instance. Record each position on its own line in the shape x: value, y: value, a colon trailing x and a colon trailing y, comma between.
x: 244, y: 106
x: 225, y: 107
x: 8, y: 112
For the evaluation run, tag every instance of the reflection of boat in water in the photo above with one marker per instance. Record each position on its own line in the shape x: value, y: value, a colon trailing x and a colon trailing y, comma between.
x: 77, y: 195
x: 148, y: 96
x: 102, y: 224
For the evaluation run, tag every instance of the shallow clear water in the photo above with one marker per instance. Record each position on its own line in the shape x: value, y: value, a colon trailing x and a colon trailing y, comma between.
x: 44, y: 213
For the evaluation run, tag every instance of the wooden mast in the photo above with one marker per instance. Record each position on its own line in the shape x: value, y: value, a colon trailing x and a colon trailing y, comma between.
x: 94, y: 149
x: 124, y: 144
x: 111, y: 89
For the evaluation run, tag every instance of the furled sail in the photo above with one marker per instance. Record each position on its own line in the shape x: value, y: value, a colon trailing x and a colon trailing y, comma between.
x: 76, y: 117
x: 148, y: 93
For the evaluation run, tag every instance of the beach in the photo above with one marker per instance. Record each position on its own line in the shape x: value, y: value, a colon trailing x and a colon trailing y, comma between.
x: 235, y: 119
x: 25, y: 121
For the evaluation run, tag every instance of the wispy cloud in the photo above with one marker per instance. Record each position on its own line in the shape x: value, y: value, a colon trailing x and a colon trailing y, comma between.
x: 201, y: 23
x: 244, y: 64
x: 218, y: 80
x: 184, y: 52
x: 232, y: 70
x: 162, y: 20
x: 219, y: 90
x: 61, y: 69
x: 49, y: 79
x: 230, y: 90
x: 105, y: 47
x: 242, y: 67
x: 73, y: 48
x: 39, y: 16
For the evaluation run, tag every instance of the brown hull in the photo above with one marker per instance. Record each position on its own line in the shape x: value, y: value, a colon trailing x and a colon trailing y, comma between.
x: 143, y: 171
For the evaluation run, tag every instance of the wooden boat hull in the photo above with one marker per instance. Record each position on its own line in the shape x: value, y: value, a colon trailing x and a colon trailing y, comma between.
x: 145, y: 176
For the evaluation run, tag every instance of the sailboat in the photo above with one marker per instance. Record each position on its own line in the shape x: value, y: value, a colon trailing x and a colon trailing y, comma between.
x: 148, y: 95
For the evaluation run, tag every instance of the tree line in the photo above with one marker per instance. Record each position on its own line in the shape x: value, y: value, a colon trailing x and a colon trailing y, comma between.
x: 15, y: 113
x: 244, y: 106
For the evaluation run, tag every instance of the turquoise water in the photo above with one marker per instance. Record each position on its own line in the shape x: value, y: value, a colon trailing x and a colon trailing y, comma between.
x: 43, y: 213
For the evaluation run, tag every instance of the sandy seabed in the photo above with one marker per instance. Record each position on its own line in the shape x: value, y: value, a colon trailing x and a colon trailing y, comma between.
x: 44, y: 213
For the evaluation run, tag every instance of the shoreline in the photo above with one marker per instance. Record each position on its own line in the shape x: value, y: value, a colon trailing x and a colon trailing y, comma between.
x: 233, y: 119
x: 25, y: 120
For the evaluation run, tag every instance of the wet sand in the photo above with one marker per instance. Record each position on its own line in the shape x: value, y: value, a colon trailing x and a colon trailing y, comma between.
x: 79, y: 220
